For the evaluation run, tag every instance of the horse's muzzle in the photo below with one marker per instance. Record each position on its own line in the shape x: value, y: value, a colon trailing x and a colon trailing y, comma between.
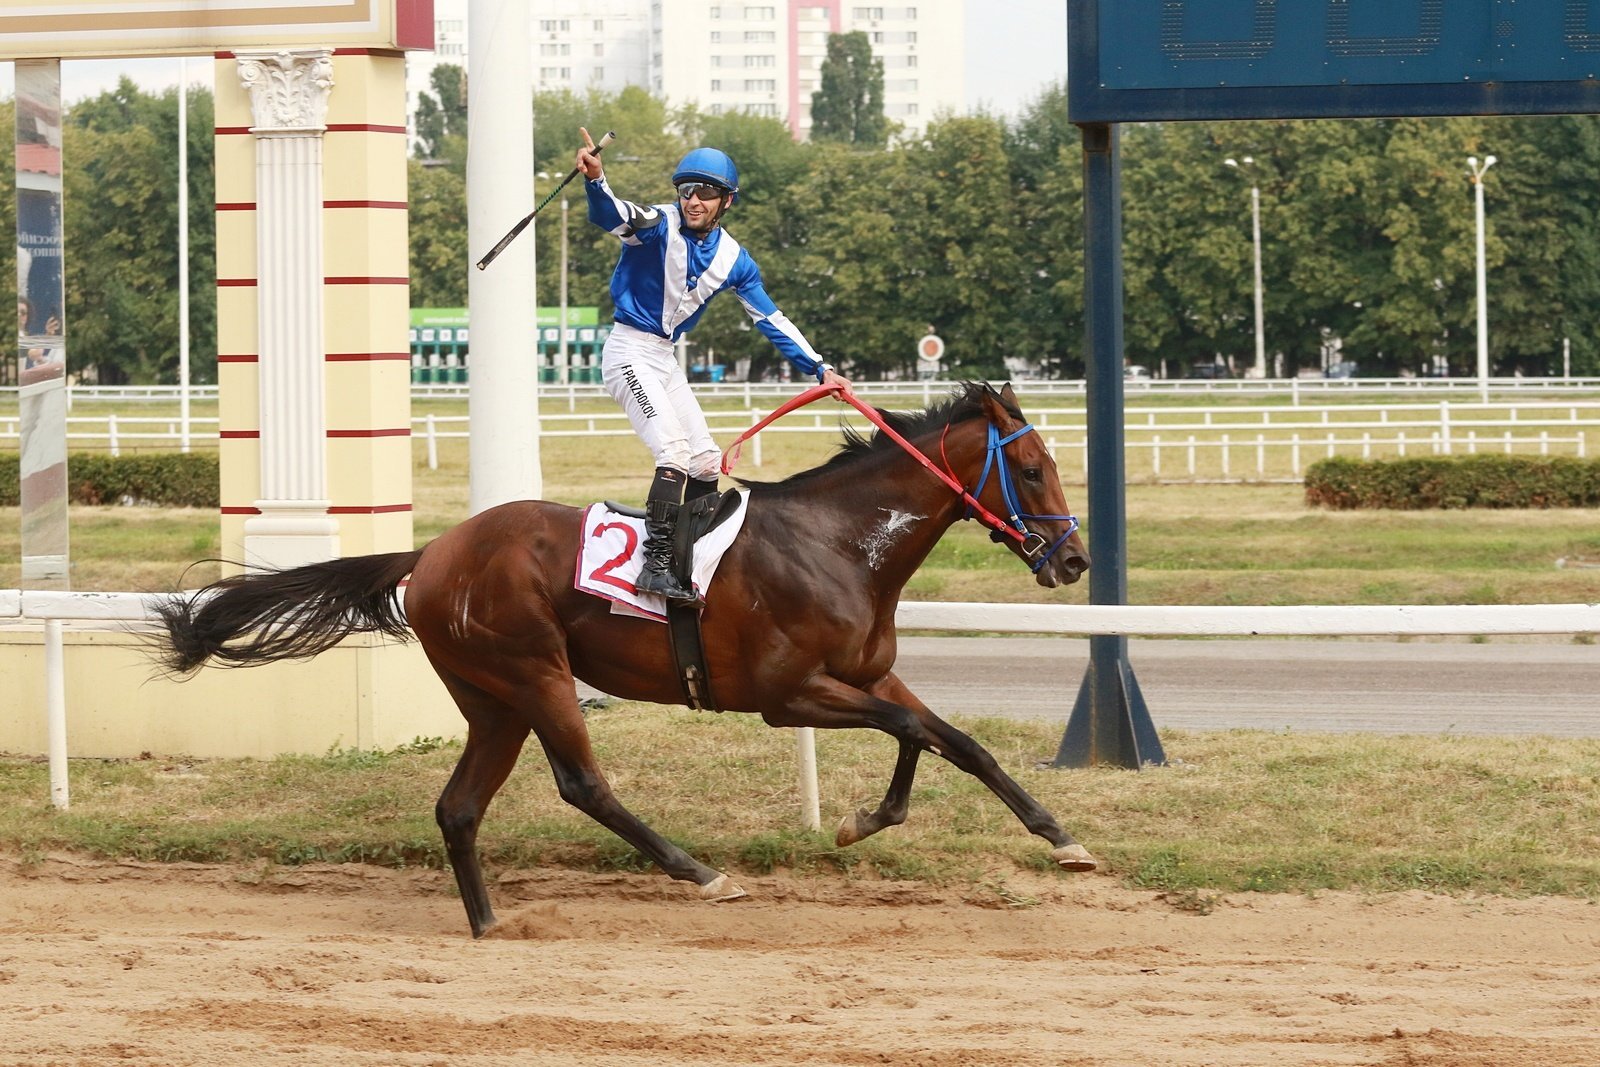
x: 1066, y: 567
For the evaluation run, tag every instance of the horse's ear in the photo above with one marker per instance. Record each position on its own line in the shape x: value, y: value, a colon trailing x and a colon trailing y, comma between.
x: 994, y: 405
x: 1007, y: 395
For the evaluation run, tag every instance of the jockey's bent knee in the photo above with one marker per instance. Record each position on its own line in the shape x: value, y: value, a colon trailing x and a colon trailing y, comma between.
x: 707, y: 466
x: 674, y: 454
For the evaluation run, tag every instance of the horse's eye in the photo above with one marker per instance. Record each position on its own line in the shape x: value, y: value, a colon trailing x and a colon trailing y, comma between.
x: 1032, y: 474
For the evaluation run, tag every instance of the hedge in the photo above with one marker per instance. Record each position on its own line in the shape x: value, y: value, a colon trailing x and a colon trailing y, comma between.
x: 168, y: 479
x: 1481, y: 481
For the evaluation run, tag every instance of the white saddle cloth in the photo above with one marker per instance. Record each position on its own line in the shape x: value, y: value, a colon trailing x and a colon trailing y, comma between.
x: 610, y: 560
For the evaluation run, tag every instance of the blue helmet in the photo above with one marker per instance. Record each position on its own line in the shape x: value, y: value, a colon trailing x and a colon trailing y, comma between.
x: 708, y: 165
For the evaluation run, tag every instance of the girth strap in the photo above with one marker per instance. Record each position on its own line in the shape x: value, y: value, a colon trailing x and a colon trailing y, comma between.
x: 698, y: 517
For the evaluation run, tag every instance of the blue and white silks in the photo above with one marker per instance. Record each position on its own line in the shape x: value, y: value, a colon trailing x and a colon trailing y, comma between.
x: 666, y: 277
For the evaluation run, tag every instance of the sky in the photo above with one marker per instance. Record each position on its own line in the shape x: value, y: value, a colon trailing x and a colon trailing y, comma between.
x: 1014, y: 49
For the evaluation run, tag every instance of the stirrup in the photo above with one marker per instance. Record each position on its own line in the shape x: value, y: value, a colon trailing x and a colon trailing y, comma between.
x: 664, y: 584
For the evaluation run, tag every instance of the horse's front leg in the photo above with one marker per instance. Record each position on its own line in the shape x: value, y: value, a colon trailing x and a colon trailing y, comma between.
x: 828, y: 703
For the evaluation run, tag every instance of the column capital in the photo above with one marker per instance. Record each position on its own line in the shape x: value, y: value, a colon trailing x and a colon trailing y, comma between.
x: 288, y: 89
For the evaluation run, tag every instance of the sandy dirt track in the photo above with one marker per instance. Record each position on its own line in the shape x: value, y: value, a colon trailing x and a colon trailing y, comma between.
x: 188, y: 964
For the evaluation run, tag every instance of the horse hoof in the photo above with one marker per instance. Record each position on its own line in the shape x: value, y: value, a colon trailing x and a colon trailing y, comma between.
x: 721, y: 889
x: 852, y: 828
x: 1074, y: 857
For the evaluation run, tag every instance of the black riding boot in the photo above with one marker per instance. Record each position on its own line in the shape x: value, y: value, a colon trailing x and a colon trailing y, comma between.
x: 660, y: 527
x: 699, y: 487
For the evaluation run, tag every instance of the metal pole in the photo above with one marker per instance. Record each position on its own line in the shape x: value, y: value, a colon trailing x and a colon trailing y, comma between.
x: 1255, y: 239
x: 1483, y: 284
x: 1255, y: 224
x: 183, y: 253
x: 564, y: 359
x: 1110, y: 723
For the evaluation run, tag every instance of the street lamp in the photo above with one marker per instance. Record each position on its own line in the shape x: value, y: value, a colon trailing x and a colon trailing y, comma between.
x: 1476, y: 172
x: 562, y: 360
x: 1255, y: 230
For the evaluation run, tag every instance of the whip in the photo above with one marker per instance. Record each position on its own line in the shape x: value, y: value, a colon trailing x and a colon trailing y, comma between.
x: 519, y: 227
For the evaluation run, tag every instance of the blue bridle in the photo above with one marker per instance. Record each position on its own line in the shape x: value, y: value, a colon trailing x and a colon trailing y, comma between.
x: 1033, y: 544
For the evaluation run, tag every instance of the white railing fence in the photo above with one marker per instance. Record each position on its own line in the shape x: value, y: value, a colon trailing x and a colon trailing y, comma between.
x: 1163, y: 444
x: 929, y: 389
x: 53, y: 608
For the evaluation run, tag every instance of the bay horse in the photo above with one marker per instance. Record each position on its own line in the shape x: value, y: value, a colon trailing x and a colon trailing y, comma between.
x: 799, y: 626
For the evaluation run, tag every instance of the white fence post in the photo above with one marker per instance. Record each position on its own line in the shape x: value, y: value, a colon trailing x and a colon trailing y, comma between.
x: 432, y: 435
x: 111, y: 435
x: 55, y: 702
x: 805, y: 740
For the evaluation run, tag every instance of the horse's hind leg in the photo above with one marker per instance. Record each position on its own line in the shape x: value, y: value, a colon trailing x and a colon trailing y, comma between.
x: 495, y: 734
x: 565, y: 738
x: 891, y: 810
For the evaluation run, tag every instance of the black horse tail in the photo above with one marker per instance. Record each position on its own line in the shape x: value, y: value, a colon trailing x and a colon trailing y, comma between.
x: 250, y: 619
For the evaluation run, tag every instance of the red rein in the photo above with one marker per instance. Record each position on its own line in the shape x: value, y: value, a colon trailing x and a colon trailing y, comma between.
x: 817, y: 392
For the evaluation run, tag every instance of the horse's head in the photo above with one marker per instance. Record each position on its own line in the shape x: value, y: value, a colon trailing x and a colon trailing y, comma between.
x: 1021, y: 485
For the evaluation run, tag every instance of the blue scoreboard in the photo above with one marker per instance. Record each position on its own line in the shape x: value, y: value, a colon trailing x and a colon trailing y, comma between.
x: 1135, y: 60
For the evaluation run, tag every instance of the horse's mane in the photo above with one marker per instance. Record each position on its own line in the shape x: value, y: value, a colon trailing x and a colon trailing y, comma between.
x: 964, y: 403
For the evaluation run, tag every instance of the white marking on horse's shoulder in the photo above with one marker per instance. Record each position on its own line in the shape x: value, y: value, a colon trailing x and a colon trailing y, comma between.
x: 877, y: 541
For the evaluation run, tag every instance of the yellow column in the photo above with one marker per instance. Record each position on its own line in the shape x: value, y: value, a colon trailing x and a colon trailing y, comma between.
x: 365, y: 299
x: 238, y: 383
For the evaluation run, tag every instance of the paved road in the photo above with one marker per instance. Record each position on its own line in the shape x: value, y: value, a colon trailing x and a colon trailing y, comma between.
x: 1509, y: 686
x: 1502, y: 687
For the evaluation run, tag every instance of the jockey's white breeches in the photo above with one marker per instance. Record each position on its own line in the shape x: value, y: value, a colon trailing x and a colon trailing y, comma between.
x: 641, y: 372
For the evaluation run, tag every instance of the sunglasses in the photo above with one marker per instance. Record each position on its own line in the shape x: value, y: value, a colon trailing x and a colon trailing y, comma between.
x: 698, y: 191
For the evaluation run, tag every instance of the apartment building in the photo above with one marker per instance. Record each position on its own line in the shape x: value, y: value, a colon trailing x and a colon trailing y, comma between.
x: 590, y: 44
x: 761, y: 57
x: 577, y: 45
x: 766, y: 57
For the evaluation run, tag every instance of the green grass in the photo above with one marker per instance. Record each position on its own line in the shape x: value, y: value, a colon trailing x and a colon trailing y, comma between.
x: 1187, y: 544
x: 1242, y: 810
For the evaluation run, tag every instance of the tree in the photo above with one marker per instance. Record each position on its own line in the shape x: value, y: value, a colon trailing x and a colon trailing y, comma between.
x: 442, y: 117
x: 121, y: 236
x: 849, y: 105
x: 439, y: 256
x: 1046, y: 161
x: 967, y: 235
x: 842, y: 270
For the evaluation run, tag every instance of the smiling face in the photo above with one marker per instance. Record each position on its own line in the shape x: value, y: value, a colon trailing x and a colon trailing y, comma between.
x: 702, y: 205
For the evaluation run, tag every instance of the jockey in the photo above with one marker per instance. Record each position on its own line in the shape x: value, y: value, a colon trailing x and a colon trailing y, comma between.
x: 675, y: 258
